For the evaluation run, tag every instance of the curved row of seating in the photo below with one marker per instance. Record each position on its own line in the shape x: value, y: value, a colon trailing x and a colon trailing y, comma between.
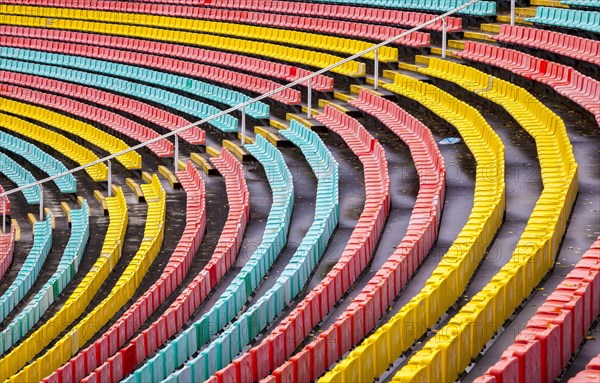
x: 188, y: 342
x: 591, y: 373
x: 85, y: 132
x: 56, y: 141
x: 20, y: 177
x: 575, y: 47
x: 450, y: 351
x: 231, y: 78
x: 248, y: 64
x: 162, y: 118
x: 29, y: 271
x: 557, y: 328
x: 49, y: 292
x: 255, y: 48
x: 114, y: 365
x: 81, y: 296
x: 39, y: 159
x: 7, y: 248
x: 257, y: 110
x: 452, y: 274
x: 172, y: 100
x: 288, y: 37
x: 315, y: 10
x: 114, y: 121
x: 566, y: 81
x: 581, y: 3
x: 125, y: 327
x: 566, y: 18
x: 69, y: 344
x: 332, y: 27
x: 481, y: 8
x: 282, y: 341
x: 388, y: 281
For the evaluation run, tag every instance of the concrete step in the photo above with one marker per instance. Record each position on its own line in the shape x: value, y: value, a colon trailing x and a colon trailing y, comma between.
x: 479, y: 36
x: 304, y: 120
x: 438, y: 52
x: 490, y: 28
x: 272, y: 135
x: 518, y: 19
x: 379, y: 92
x: 456, y: 44
x: 237, y: 150
x: 201, y: 159
x: 342, y: 106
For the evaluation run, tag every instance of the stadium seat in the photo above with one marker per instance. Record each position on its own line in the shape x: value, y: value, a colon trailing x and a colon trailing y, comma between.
x: 355, y: 256
x: 567, y: 18
x: 595, y: 4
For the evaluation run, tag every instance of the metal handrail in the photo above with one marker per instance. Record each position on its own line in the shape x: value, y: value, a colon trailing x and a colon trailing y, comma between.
x: 246, y: 103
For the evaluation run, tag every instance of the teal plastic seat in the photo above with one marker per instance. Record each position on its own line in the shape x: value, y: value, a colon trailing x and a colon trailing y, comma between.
x: 594, y: 4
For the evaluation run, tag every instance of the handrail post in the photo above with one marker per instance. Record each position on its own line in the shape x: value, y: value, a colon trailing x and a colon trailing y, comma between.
x: 309, y: 101
x: 176, y: 154
x: 4, y: 215
x: 41, y: 202
x: 444, y: 36
x: 512, y: 12
x: 376, y: 70
x: 243, y: 126
x: 109, y: 192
